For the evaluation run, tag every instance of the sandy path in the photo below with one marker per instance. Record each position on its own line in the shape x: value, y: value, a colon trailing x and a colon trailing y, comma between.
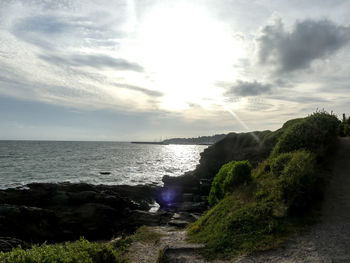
x: 329, y: 240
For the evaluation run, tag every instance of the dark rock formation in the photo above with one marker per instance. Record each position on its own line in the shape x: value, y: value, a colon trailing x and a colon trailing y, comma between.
x: 252, y: 146
x: 189, y: 192
x: 66, y: 211
x: 8, y: 243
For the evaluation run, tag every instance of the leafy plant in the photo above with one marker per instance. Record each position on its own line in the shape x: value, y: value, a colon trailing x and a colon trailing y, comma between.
x: 81, y: 251
x: 314, y: 133
x: 230, y: 176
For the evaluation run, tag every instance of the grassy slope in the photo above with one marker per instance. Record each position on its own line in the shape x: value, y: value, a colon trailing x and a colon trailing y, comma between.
x: 259, y: 215
x: 80, y: 251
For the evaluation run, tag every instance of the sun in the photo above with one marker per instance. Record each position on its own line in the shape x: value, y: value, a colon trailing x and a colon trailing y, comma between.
x: 186, y: 51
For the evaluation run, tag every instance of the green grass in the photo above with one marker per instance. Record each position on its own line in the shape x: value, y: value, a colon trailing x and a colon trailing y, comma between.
x: 81, y: 251
x: 230, y: 176
x: 145, y: 235
x: 266, y: 209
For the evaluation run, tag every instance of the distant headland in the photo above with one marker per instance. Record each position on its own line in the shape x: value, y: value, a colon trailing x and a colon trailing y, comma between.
x: 201, y: 140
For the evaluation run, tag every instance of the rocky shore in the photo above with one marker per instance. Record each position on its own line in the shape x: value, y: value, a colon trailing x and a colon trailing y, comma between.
x: 54, y: 212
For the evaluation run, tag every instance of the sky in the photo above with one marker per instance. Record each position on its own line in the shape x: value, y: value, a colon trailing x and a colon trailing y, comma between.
x: 154, y: 69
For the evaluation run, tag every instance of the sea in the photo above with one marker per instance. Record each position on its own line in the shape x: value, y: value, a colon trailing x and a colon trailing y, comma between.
x: 111, y: 163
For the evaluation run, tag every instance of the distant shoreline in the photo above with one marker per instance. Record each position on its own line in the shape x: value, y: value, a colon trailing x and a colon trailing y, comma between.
x: 174, y: 143
x: 161, y: 143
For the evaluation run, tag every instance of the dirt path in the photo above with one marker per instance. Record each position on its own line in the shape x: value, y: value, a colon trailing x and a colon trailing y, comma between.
x: 172, y: 244
x: 329, y: 240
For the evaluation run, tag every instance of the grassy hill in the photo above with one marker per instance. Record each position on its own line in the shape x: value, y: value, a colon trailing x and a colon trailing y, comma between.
x: 255, y: 209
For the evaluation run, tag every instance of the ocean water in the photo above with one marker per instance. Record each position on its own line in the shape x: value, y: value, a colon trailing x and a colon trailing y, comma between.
x: 23, y: 162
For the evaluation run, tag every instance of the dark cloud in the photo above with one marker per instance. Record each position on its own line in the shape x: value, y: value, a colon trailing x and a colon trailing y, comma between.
x: 245, y: 88
x: 151, y: 93
x: 309, y: 40
x: 95, y: 61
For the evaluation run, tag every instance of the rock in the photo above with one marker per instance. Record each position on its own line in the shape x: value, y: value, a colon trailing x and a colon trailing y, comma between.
x: 187, y: 197
x: 187, y: 183
x: 254, y: 147
x: 192, y: 206
x: 198, y: 207
x: 182, y: 219
x: 32, y: 224
x: 67, y: 211
x: 8, y: 243
x: 178, y: 223
x: 177, y: 189
x: 140, y: 218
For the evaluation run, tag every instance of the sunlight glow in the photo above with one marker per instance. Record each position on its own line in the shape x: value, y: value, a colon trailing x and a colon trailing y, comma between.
x: 237, y: 118
x: 186, y: 51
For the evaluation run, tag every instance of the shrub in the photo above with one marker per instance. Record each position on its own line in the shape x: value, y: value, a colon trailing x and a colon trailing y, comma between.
x: 314, y: 133
x: 230, y: 176
x: 292, y: 182
x: 81, y: 251
x: 298, y: 181
x: 239, y: 174
x: 259, y: 215
x: 278, y: 163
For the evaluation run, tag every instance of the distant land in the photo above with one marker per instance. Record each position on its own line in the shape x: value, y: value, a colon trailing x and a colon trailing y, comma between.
x: 201, y: 140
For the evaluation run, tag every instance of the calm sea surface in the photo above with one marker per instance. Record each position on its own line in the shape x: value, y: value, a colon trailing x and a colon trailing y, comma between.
x: 22, y: 162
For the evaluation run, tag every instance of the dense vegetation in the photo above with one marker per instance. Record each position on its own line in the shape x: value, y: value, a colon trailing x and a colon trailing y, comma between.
x: 259, y: 213
x: 230, y: 176
x: 344, y: 127
x: 81, y: 251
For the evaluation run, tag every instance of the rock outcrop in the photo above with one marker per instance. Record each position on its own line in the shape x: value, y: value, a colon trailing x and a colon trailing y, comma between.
x: 189, y: 191
x: 65, y: 211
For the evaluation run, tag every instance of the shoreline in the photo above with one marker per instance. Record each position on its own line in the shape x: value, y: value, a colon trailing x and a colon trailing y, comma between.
x: 56, y: 212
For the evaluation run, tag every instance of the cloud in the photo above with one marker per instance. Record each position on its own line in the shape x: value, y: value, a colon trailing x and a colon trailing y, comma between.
x: 95, y: 61
x: 309, y: 40
x: 151, y: 93
x: 246, y: 88
x: 52, y: 31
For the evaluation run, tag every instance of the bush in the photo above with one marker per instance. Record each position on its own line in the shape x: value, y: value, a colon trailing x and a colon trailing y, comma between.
x: 81, y: 251
x: 278, y: 163
x: 259, y: 215
x: 230, y: 176
x: 314, y: 133
x: 298, y: 181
